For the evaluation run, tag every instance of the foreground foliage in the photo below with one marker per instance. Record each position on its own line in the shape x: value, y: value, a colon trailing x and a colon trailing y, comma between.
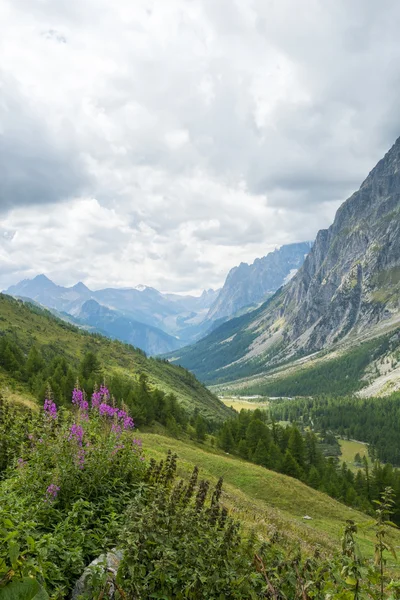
x: 75, y: 485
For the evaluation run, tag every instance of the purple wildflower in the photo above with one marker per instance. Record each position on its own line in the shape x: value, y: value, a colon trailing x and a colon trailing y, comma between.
x: 21, y: 463
x: 104, y: 392
x: 76, y: 432
x: 51, y: 492
x: 116, y: 448
x: 81, y: 458
x: 77, y: 396
x: 126, y: 419
x: 106, y: 409
x: 50, y: 409
x: 99, y: 396
x: 128, y: 423
x: 115, y: 428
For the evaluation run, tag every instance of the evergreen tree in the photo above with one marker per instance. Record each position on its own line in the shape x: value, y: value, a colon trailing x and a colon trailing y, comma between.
x: 201, y: 428
x: 290, y: 466
x: 296, y: 446
x: 275, y: 457
x: 225, y: 440
x: 261, y: 456
x: 313, y: 478
x: 243, y: 450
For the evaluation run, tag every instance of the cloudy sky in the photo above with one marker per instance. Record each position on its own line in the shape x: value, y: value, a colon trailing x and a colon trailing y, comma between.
x: 165, y: 141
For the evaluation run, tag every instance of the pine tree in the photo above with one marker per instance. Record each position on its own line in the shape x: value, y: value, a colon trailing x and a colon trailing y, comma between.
x: 275, y: 457
x: 290, y: 466
x: 261, y: 456
x: 313, y: 478
x: 226, y: 441
x: 296, y: 446
x: 243, y: 450
x: 257, y: 430
x: 201, y: 428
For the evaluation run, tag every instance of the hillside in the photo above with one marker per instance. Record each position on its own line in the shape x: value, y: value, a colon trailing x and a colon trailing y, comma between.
x: 116, y: 325
x: 172, y: 315
x: 31, y: 325
x: 345, y: 292
x: 267, y: 499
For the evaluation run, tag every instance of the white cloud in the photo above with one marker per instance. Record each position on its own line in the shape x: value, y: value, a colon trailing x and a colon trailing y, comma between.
x: 163, y: 143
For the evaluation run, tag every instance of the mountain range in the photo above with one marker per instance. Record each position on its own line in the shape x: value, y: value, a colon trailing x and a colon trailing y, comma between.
x: 248, y: 285
x: 346, y: 292
x: 158, y: 322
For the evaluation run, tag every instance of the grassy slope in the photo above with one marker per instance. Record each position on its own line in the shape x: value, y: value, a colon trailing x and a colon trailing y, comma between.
x: 267, y: 500
x: 33, y: 325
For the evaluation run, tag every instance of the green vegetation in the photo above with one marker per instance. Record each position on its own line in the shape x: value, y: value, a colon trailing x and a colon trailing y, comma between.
x: 301, y: 455
x: 274, y: 503
x: 351, y: 449
x: 341, y: 375
x: 371, y: 420
x: 210, y: 358
x: 77, y: 485
x: 240, y: 403
x: 74, y: 483
x: 37, y: 348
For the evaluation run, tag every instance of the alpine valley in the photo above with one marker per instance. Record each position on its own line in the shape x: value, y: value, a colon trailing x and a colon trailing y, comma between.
x: 334, y: 328
x: 162, y: 322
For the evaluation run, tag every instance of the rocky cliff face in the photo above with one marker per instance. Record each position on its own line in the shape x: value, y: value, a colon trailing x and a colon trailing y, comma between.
x: 250, y: 284
x: 350, y: 280
x: 348, y: 286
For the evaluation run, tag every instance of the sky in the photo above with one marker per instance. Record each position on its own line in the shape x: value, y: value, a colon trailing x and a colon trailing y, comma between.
x: 162, y: 142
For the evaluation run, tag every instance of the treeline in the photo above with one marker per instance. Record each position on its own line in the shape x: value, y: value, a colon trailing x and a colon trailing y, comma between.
x: 289, y: 451
x: 39, y: 370
x: 371, y: 420
x: 337, y: 376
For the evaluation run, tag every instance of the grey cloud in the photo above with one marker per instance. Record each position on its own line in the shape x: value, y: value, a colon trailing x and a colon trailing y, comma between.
x: 35, y: 167
x: 223, y: 129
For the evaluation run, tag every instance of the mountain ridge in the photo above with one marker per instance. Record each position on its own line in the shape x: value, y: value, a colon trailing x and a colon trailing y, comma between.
x: 249, y: 284
x: 348, y: 285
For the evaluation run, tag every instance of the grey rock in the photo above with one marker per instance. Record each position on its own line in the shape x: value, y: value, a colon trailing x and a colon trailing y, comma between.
x: 106, y: 562
x: 251, y: 284
x: 349, y: 285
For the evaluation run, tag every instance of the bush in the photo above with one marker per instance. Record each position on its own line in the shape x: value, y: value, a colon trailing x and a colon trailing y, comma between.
x: 69, y: 479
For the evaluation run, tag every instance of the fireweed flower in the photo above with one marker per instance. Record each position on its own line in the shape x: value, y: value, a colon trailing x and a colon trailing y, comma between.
x: 21, y: 463
x: 50, y: 409
x: 76, y: 433
x: 81, y: 458
x: 128, y: 423
x: 77, y: 396
x: 51, y: 492
x: 106, y: 409
x: 126, y: 419
x: 116, y: 448
x: 117, y: 429
x: 99, y: 396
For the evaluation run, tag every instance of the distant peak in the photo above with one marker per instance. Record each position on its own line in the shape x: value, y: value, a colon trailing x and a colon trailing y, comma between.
x: 42, y: 279
x: 140, y: 287
x: 80, y: 287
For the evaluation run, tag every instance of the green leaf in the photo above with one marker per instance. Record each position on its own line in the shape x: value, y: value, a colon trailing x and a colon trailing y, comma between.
x: 25, y: 589
x: 13, y: 553
x: 31, y: 543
